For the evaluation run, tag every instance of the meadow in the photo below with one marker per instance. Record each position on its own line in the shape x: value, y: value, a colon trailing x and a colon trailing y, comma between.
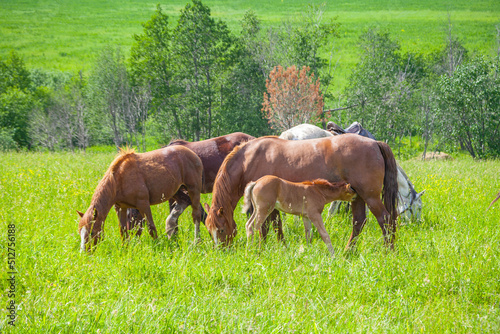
x: 442, y: 277
x: 66, y: 35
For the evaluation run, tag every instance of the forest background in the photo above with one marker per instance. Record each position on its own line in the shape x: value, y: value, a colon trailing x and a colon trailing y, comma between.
x: 420, y: 75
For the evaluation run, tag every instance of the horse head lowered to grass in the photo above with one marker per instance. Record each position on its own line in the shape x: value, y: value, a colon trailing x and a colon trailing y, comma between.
x: 369, y: 166
x: 139, y: 180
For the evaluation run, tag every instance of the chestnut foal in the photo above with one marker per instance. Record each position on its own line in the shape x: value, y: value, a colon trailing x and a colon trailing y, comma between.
x: 306, y: 199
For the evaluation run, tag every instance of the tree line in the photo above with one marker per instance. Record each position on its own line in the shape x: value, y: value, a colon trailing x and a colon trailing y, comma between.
x: 197, y: 79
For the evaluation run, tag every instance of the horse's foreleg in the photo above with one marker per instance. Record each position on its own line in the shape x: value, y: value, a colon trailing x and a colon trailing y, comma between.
x: 274, y: 218
x: 122, y: 218
x: 358, y: 221
x: 320, y: 226
x: 194, y: 195
x: 334, y: 208
x: 145, y: 211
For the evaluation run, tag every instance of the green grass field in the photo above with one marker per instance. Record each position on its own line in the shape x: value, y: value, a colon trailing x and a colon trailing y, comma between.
x: 443, y: 276
x: 65, y: 35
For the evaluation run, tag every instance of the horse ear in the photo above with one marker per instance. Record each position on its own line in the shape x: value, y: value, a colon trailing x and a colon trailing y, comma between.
x: 420, y: 193
x: 220, y: 212
x: 94, y: 215
x: 207, y: 207
x: 80, y: 213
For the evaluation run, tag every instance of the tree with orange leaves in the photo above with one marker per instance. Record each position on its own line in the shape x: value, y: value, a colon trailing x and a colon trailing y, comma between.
x: 292, y: 97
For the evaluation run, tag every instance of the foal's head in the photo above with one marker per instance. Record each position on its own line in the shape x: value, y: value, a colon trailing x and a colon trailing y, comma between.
x: 340, y: 191
x: 89, y: 228
x: 344, y: 190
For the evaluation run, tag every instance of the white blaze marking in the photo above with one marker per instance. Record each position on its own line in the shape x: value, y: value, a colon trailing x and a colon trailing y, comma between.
x: 214, y: 236
x: 83, y: 236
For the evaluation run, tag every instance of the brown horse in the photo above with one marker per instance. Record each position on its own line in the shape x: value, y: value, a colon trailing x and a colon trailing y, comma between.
x: 212, y: 153
x: 139, y: 180
x: 306, y: 199
x: 369, y: 166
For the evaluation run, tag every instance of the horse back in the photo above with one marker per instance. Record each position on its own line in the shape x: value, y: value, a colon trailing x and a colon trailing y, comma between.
x: 350, y: 158
x: 164, y: 170
x: 212, y: 153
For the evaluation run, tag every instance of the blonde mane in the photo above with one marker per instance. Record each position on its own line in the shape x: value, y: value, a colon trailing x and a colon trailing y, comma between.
x: 106, y: 188
x: 222, y: 181
x: 324, y: 183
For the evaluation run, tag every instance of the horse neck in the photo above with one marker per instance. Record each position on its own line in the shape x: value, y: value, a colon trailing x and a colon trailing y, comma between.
x: 104, y: 196
x: 228, y: 188
x: 329, y: 193
x: 412, y: 190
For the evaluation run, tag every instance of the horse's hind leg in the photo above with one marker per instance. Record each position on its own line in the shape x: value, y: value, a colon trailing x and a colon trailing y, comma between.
x: 261, y: 216
x: 358, y: 221
x: 384, y: 220
x: 134, y: 219
x: 249, y: 226
x: 194, y: 195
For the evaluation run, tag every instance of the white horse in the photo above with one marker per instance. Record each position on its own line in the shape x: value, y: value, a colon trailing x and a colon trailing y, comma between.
x: 410, y: 202
x: 305, y: 131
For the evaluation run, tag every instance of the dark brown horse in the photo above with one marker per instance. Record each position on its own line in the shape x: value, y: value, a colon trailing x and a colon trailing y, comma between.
x: 212, y: 153
x: 139, y: 180
x: 369, y: 166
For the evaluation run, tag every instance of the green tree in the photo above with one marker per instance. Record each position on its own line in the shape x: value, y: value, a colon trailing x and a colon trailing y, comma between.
x: 109, y: 95
x: 14, y: 74
x: 202, y: 47
x: 15, y: 101
x: 152, y: 72
x: 15, y: 107
x: 469, y: 107
x: 296, y: 42
x: 382, y: 85
x: 243, y: 87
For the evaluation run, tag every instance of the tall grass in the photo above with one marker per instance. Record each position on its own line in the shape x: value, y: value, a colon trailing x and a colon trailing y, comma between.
x: 443, y: 276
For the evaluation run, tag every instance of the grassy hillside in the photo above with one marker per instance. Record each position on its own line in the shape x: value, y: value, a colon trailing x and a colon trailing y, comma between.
x: 65, y: 34
x: 443, y: 277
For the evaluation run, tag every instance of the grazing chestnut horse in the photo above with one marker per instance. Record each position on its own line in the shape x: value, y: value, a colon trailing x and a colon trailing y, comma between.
x: 212, y: 153
x: 368, y: 165
x: 306, y: 199
x: 138, y: 180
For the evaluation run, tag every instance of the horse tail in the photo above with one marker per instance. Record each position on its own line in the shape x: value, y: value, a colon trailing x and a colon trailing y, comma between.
x: 248, y: 197
x: 493, y: 202
x: 390, y: 192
